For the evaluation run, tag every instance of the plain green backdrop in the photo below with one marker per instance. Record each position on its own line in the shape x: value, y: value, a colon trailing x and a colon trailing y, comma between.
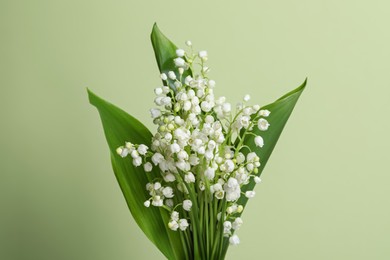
x: 325, y: 191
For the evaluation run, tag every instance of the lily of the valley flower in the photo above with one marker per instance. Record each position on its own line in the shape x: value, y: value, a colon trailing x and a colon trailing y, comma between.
x: 194, y: 149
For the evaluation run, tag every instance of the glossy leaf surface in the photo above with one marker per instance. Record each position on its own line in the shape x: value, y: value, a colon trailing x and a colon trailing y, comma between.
x: 118, y: 128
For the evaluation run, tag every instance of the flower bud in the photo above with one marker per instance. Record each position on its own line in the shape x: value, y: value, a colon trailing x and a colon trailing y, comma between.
x: 148, y: 167
x: 257, y: 179
x: 177, y: 107
x: 264, y: 113
x: 256, y: 107
x: 250, y: 194
x: 211, y: 83
x: 203, y: 55
x: 119, y: 150
x: 179, y: 62
x: 158, y: 91
x: 172, y: 75
x: 163, y: 76
x: 180, y: 52
x: 247, y: 98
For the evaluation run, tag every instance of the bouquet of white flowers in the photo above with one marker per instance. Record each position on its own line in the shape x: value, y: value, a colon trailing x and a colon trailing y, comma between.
x: 187, y: 185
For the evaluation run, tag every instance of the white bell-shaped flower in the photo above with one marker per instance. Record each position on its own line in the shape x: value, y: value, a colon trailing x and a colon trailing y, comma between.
x: 180, y: 52
x: 183, y: 224
x: 263, y: 124
x: 259, y: 141
x: 234, y: 240
x: 187, y: 204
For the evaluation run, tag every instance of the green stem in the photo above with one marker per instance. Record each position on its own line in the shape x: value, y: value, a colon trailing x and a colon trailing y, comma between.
x: 207, y: 228
x: 189, y: 242
x: 194, y: 215
x: 201, y: 212
x: 219, y: 231
x: 183, y: 242
x: 213, y: 220
x: 221, y: 240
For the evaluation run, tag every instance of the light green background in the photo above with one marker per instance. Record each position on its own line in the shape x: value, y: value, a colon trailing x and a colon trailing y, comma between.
x: 325, y: 192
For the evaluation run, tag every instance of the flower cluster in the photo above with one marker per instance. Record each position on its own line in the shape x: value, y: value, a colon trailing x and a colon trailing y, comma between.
x: 198, y: 153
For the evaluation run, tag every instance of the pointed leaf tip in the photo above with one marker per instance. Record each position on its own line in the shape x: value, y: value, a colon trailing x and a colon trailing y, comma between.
x: 91, y: 96
x: 296, y: 91
x: 165, y: 53
x: 155, y: 26
x: 281, y: 110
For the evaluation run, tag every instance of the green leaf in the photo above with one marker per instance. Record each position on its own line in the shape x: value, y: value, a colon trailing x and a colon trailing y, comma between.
x: 165, y: 52
x: 118, y: 128
x: 281, y: 110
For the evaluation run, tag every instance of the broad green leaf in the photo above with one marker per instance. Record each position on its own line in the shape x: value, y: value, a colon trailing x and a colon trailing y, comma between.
x: 281, y: 110
x: 165, y: 52
x: 118, y: 128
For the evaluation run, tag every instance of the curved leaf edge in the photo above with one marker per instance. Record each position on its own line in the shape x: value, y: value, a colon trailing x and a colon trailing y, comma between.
x: 293, y: 94
x: 168, y: 247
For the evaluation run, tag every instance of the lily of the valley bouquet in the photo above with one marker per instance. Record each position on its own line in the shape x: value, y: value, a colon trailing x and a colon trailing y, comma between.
x: 188, y: 184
